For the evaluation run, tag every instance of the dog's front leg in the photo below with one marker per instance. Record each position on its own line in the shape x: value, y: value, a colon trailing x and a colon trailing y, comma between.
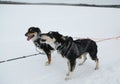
x: 68, y: 73
x: 71, y: 67
x: 49, y: 59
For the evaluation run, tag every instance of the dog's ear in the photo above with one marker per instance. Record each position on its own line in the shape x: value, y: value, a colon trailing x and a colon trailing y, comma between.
x: 38, y: 29
x: 56, y: 34
x: 70, y: 39
x: 51, y: 34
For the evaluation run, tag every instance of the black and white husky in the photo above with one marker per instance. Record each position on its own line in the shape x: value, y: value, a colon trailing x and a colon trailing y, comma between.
x: 72, y: 49
x: 33, y: 34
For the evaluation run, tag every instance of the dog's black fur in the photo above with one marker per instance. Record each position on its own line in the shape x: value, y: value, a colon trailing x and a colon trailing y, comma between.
x: 34, y: 34
x: 73, y: 49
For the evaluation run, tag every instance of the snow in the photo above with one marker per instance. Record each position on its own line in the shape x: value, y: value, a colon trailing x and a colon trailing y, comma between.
x: 79, y: 22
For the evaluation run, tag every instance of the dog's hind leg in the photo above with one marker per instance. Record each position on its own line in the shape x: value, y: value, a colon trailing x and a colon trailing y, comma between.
x: 84, y: 58
x: 71, y: 67
x: 97, y: 64
x: 94, y: 57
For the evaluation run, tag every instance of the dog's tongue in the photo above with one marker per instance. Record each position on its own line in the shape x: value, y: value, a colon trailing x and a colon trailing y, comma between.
x: 28, y: 38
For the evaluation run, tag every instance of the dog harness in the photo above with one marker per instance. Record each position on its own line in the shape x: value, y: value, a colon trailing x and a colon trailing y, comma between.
x: 37, y: 43
x: 65, y: 47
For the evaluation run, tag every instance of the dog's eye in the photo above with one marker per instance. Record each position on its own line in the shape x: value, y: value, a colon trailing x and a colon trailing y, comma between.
x: 43, y: 40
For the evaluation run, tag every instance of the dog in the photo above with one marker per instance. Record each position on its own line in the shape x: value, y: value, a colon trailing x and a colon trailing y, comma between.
x: 33, y: 34
x: 72, y: 49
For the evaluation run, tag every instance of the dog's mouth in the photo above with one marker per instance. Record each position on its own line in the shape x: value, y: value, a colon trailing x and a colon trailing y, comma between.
x: 30, y: 37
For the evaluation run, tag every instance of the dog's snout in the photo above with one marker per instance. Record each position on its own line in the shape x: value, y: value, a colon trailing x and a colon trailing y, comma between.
x: 26, y: 34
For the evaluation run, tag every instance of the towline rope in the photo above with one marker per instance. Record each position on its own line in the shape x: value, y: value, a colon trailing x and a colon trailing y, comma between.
x: 16, y: 58
x: 101, y: 39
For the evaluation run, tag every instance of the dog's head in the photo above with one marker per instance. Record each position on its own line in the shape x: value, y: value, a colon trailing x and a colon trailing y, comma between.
x: 33, y: 33
x: 52, y: 37
x: 55, y: 38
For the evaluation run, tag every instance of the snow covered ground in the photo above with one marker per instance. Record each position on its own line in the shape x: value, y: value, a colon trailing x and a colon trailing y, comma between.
x: 73, y: 21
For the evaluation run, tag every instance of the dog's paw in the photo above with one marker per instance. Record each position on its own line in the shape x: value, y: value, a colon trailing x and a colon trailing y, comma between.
x: 80, y: 64
x: 96, y: 68
x: 67, y: 74
x: 67, y: 78
x: 47, y: 63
